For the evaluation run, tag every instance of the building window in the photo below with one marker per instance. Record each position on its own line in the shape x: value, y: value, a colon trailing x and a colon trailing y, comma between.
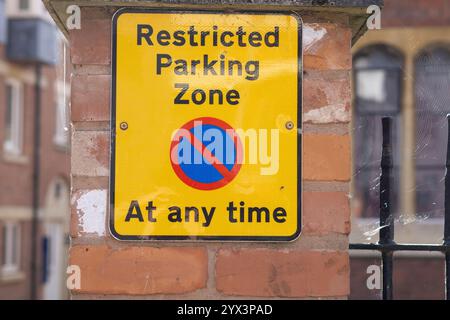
x: 24, y: 5
x: 377, y: 80
x: 13, y: 118
x: 61, y: 126
x: 11, y: 248
x: 57, y: 190
x: 432, y: 92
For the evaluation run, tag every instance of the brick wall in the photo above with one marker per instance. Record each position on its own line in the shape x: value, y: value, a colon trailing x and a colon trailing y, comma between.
x: 315, y: 265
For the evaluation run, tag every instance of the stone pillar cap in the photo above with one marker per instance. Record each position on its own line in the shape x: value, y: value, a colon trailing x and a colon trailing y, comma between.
x: 355, y: 9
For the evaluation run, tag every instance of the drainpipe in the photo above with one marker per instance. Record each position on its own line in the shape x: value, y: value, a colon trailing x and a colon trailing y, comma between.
x: 36, y: 183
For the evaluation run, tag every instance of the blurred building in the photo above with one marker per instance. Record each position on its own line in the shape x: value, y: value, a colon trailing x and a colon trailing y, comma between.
x: 32, y: 73
x: 403, y: 71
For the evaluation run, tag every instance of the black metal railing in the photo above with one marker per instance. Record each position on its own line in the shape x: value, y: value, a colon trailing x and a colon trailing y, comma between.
x: 386, y: 244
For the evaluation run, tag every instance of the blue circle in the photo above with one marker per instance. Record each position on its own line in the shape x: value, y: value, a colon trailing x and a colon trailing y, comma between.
x: 197, y: 167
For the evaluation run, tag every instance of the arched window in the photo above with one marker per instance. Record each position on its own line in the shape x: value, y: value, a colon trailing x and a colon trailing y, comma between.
x: 378, y: 91
x: 432, y: 93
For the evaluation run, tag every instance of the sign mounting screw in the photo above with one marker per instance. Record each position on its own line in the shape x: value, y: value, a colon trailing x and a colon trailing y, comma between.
x: 123, y: 125
x: 289, y: 125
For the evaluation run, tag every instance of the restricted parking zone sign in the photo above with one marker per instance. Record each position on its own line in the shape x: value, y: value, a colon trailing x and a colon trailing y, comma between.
x: 205, y: 126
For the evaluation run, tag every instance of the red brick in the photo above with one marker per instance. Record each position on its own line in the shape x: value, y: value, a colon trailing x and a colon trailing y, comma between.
x: 90, y: 153
x: 92, y: 43
x: 326, y: 157
x: 140, y: 270
x: 325, y: 212
x: 327, y: 47
x: 326, y: 99
x: 90, y: 98
x: 272, y: 273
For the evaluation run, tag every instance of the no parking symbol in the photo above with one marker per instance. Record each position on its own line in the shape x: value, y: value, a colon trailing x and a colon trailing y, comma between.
x: 206, y: 153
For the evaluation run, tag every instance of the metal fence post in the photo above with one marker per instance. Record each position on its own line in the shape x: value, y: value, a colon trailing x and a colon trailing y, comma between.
x: 447, y: 216
x: 386, y: 217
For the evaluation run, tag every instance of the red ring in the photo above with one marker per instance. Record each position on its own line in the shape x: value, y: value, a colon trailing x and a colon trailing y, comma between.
x: 214, y: 185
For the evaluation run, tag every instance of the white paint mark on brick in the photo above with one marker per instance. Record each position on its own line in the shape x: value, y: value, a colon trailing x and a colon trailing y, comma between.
x: 328, y: 114
x: 312, y: 33
x: 91, y: 208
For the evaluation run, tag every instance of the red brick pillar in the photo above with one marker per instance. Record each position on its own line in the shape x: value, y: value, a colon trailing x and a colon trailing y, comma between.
x: 315, y: 265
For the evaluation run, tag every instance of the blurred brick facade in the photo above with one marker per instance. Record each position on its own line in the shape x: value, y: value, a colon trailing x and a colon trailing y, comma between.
x: 16, y: 174
x: 417, y: 13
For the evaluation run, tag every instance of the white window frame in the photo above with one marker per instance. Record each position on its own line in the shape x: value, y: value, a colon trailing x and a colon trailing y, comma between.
x: 12, y: 242
x: 14, y: 145
x: 30, y: 6
x: 61, y: 119
x: 36, y: 9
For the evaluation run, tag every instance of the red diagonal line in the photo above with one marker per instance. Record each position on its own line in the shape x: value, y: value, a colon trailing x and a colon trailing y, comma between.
x: 223, y: 170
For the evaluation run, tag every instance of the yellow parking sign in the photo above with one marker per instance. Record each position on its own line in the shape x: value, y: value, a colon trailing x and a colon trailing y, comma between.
x: 205, y: 126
